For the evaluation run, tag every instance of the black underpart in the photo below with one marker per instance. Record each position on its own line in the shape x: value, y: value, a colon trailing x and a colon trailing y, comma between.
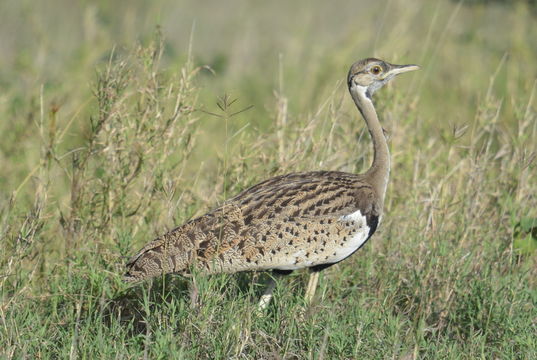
x: 372, y: 223
x: 320, y: 267
x: 282, y: 272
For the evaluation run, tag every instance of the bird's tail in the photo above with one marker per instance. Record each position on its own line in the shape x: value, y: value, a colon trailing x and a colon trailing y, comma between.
x: 159, y: 257
x: 193, y: 244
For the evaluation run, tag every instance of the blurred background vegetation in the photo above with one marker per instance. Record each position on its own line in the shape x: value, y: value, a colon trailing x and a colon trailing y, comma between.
x: 122, y: 119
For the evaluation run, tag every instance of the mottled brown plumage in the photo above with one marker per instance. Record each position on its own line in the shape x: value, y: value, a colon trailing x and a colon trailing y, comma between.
x: 302, y: 220
x: 264, y: 226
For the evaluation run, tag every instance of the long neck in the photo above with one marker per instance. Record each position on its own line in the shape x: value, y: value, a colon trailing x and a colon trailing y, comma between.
x: 379, y: 172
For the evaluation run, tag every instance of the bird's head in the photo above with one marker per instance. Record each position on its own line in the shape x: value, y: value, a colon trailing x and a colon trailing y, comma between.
x: 368, y: 75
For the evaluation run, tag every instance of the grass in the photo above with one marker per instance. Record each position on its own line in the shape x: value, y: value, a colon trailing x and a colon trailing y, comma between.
x: 119, y: 130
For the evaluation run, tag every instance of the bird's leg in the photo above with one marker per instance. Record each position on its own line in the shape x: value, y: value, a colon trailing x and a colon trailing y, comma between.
x: 271, y: 284
x: 267, y: 295
x: 312, y: 285
x: 193, y: 293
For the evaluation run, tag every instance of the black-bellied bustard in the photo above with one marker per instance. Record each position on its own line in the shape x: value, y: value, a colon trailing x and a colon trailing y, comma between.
x: 303, y: 220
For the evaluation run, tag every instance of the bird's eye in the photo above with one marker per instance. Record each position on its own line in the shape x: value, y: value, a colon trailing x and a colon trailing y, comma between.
x: 376, y: 70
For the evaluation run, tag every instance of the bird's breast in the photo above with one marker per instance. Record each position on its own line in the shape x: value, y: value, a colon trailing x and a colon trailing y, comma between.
x: 338, y: 241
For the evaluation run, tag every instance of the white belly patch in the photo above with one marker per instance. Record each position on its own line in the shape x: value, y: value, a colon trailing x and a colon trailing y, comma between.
x: 356, y: 224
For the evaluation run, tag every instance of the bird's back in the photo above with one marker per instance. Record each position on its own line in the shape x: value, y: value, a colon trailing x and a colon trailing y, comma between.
x: 311, y: 219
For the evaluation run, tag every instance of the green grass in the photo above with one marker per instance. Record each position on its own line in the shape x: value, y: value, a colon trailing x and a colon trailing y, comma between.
x: 115, y: 130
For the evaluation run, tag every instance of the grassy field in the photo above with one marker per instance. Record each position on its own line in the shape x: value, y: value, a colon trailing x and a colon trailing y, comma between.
x: 120, y: 120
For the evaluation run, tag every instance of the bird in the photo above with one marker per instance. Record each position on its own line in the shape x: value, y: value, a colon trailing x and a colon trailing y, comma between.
x: 289, y: 222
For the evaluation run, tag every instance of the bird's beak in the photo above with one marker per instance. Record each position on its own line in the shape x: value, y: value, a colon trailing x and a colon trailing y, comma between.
x: 399, y: 69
